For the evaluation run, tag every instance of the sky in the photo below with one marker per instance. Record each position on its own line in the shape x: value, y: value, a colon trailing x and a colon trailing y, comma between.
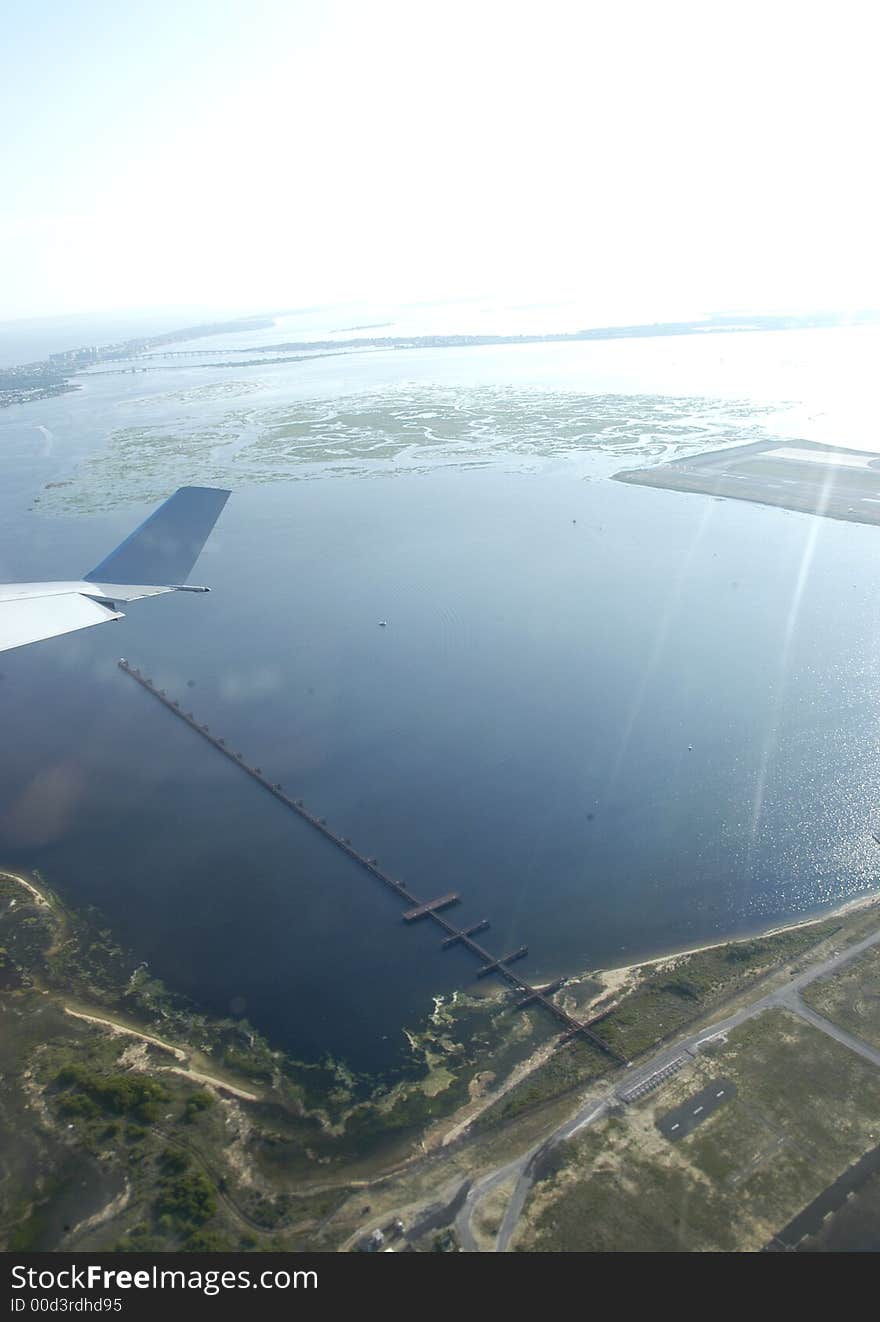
x: 647, y: 160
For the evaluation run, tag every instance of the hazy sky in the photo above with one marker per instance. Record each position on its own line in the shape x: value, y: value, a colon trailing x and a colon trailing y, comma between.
x: 648, y: 159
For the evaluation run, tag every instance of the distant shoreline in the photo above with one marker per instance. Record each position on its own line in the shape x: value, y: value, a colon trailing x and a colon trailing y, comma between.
x: 50, y: 376
x: 639, y: 331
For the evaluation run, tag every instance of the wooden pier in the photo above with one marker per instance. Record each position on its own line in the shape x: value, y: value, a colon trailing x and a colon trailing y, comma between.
x: 507, y: 959
x: 545, y: 991
x: 468, y: 931
x: 432, y: 906
x: 428, y: 909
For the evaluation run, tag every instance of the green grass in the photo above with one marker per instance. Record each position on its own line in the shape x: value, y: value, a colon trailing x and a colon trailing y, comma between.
x: 851, y: 996
x: 665, y: 1002
x: 631, y: 1207
x: 572, y: 1066
x: 668, y: 1000
x: 806, y: 1108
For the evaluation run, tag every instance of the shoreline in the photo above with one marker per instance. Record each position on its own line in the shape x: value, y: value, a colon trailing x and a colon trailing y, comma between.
x: 121, y: 1028
x: 38, y: 895
x: 439, y: 1134
x: 621, y: 980
x: 620, y: 972
x: 614, y: 979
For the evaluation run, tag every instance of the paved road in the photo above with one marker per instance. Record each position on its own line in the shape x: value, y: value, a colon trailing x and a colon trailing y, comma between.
x: 597, y: 1103
x: 478, y: 1192
x: 523, y: 1167
x: 793, y: 1002
x: 585, y: 1116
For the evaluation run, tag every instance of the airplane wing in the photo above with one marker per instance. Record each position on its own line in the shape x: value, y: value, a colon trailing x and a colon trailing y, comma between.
x: 31, y: 619
x: 156, y: 558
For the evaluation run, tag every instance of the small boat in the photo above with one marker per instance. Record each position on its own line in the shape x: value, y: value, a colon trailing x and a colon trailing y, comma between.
x: 383, y: 624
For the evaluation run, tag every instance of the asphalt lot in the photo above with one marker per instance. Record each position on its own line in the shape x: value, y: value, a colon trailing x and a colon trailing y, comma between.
x: 684, y: 1119
x: 833, y: 481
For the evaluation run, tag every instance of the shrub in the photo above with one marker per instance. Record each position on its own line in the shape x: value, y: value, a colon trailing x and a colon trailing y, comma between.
x: 195, y: 1104
x: 187, y: 1202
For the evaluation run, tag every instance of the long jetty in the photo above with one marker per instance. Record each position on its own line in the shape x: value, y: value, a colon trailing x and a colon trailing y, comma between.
x: 417, y: 909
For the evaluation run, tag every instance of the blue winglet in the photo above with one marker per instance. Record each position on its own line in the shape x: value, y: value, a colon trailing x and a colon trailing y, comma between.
x: 163, y: 550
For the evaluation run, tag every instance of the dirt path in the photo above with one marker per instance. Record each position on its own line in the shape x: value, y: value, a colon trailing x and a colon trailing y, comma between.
x: 197, y: 1076
x: 38, y: 895
x: 125, y: 1031
x: 214, y: 1082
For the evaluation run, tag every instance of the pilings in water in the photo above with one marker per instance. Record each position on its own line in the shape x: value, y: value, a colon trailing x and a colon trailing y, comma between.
x: 426, y: 909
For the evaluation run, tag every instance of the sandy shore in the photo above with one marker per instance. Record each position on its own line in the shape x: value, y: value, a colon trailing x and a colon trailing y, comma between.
x: 124, y: 1031
x: 615, y: 979
x: 616, y: 982
x: 28, y: 885
x: 213, y: 1082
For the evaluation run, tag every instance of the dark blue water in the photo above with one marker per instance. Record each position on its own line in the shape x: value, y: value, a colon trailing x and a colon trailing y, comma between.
x: 616, y: 736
